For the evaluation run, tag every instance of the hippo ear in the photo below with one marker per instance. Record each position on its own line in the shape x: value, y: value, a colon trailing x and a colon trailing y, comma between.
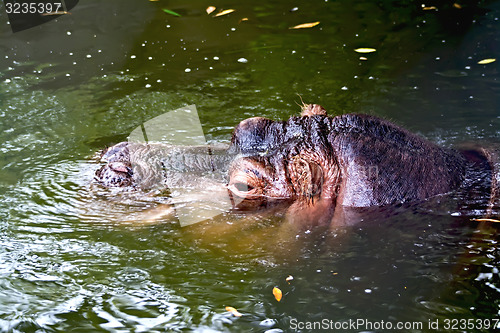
x: 251, y: 136
x: 307, y: 178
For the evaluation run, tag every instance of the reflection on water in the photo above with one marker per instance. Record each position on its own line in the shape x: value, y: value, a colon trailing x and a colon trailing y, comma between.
x: 74, y: 256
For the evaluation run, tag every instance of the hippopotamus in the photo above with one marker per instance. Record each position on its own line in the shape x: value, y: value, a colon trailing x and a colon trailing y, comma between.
x: 319, y: 164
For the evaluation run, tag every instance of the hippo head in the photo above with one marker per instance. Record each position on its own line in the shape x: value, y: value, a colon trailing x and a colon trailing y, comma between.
x: 283, y: 161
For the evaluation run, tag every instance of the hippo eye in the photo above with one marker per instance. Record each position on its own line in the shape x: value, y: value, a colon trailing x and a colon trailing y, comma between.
x: 243, y: 187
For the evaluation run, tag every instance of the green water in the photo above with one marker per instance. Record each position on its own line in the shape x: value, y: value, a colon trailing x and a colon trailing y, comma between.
x: 75, y: 260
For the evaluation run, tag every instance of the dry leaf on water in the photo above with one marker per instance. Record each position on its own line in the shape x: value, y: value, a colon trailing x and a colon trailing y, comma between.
x: 365, y: 50
x: 486, y: 220
x: 486, y: 61
x: 233, y: 311
x: 56, y: 13
x: 277, y: 293
x: 224, y: 12
x: 305, y: 25
x: 210, y: 9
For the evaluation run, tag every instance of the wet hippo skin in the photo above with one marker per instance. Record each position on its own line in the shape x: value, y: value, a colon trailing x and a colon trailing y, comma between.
x: 321, y: 164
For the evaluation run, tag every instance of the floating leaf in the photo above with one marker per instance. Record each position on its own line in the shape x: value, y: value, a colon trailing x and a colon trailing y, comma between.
x: 457, y: 5
x: 365, y: 50
x: 429, y: 8
x: 56, y: 13
x: 363, y: 58
x: 210, y: 9
x: 486, y: 61
x: 233, y: 311
x: 224, y: 12
x: 244, y: 19
x: 277, y: 293
x: 305, y: 25
x: 171, y: 12
x: 289, y: 278
x: 486, y: 220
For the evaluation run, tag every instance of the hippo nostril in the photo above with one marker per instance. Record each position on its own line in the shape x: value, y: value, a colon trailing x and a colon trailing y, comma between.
x: 243, y: 187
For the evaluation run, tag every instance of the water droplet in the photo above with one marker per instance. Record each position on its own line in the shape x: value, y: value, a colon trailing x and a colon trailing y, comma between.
x: 242, y: 60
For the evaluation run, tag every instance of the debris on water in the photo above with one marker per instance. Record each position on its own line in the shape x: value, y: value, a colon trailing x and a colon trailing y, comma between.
x: 486, y: 61
x: 365, y: 50
x: 224, y: 12
x: 233, y: 311
x: 278, y: 294
x: 486, y: 220
x: 210, y: 9
x: 289, y: 278
x: 171, y: 12
x: 305, y: 25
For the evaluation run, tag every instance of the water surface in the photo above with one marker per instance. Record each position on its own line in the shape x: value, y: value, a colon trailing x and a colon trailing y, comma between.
x: 75, y: 258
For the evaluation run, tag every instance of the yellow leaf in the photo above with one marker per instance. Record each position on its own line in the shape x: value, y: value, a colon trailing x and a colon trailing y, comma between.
x: 486, y: 220
x: 486, y: 61
x: 457, y: 5
x: 277, y: 294
x: 429, y: 8
x: 209, y: 9
x: 224, y: 12
x: 365, y: 50
x: 243, y: 19
x: 305, y: 25
x: 233, y: 311
x: 56, y: 13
